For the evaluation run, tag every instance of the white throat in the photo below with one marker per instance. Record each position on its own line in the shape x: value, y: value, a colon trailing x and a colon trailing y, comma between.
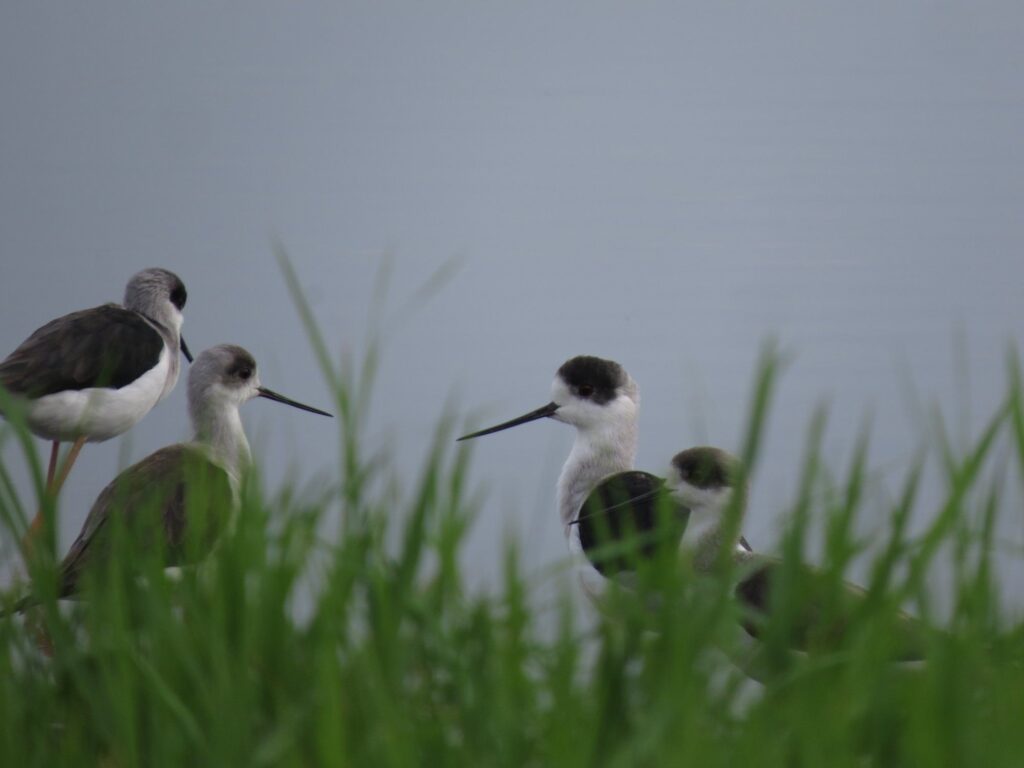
x: 706, y: 529
x: 703, y: 536
x: 169, y: 329
x: 219, y: 430
x: 597, y: 453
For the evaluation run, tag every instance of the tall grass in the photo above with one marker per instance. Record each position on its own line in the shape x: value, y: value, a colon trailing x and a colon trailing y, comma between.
x: 370, y: 649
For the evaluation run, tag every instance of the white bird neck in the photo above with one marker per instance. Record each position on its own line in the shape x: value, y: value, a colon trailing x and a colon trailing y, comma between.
x: 218, y: 428
x: 703, y: 536
x: 171, y: 334
x: 705, y: 533
x: 596, y: 453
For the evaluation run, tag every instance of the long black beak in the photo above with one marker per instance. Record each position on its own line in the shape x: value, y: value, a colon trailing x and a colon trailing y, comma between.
x: 272, y: 395
x: 184, y: 349
x: 540, y: 413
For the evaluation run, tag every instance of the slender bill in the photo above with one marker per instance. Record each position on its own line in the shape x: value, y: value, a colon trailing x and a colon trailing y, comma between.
x: 184, y: 348
x: 271, y: 395
x: 540, y: 413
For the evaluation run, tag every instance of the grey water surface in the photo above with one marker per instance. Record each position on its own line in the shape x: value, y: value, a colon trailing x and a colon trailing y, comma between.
x: 666, y: 184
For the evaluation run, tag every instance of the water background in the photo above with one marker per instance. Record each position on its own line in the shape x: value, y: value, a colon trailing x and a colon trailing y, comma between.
x: 665, y: 184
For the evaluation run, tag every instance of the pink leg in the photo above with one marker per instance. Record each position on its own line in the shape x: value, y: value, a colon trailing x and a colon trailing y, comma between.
x: 52, y: 470
x: 76, y: 448
x: 54, y: 482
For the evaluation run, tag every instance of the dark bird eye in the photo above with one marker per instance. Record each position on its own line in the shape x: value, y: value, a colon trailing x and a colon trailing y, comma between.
x: 244, y: 373
x: 179, y: 297
x: 585, y: 390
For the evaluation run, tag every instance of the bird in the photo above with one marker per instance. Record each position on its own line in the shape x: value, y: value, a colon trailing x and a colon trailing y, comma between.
x: 180, y: 498
x: 818, y: 611
x: 629, y: 515
x: 703, y: 480
x: 91, y: 375
x: 601, y: 400
x: 601, y: 497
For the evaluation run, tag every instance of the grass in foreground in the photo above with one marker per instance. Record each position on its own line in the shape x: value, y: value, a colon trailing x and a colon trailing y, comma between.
x: 284, y: 649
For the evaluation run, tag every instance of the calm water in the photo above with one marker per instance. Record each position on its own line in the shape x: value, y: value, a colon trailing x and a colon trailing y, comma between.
x: 664, y: 186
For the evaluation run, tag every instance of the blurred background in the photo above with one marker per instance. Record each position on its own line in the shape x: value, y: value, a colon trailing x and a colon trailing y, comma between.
x: 668, y: 185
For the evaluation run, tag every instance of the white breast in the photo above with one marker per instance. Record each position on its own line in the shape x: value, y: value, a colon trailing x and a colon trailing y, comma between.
x: 593, y: 582
x: 100, y: 413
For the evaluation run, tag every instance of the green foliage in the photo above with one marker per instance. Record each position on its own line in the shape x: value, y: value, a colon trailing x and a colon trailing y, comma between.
x: 371, y: 649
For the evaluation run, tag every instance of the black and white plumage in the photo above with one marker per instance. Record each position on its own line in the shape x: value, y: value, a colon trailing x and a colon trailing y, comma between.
x: 630, y: 516
x: 91, y: 375
x: 704, y: 479
x: 627, y: 508
x: 627, y: 517
x: 638, y: 505
x: 601, y: 400
x: 601, y: 499
x: 180, y: 498
x: 96, y: 372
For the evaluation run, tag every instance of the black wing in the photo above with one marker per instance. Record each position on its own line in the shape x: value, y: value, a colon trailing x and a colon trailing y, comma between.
x: 819, y: 612
x: 106, y: 346
x: 175, y: 502
x: 625, y: 507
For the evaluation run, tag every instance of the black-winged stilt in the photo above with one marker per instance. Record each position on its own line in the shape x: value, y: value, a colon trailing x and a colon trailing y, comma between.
x: 90, y: 375
x: 181, y: 486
